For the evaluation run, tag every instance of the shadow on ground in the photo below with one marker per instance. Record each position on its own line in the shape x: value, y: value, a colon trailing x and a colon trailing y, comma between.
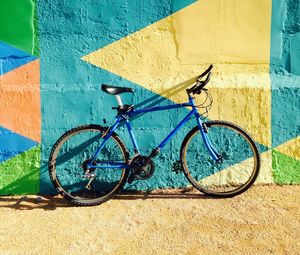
x: 53, y: 202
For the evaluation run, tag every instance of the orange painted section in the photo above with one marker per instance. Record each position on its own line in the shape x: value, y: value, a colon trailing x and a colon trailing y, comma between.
x: 20, y: 109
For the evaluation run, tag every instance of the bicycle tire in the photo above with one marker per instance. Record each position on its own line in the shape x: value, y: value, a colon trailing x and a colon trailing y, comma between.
x: 220, y: 180
x: 63, y: 176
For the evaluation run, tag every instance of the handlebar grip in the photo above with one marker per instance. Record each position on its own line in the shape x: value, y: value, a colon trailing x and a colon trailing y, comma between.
x: 202, y: 84
x: 206, y: 81
x: 205, y: 72
x: 196, y: 89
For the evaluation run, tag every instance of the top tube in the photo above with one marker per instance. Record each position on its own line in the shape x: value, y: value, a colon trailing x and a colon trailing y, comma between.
x: 160, y: 108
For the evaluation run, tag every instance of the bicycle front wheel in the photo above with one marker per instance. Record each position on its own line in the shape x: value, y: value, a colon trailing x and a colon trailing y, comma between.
x: 240, y: 160
x: 67, y: 165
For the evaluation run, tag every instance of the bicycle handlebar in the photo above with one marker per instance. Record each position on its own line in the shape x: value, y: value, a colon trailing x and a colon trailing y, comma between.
x: 196, y: 89
x: 205, y: 73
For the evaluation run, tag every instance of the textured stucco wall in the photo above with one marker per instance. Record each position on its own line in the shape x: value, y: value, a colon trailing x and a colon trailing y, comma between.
x: 55, y: 54
x: 285, y: 81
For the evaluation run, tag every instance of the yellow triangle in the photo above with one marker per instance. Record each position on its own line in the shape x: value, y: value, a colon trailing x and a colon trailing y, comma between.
x: 233, y: 175
x: 166, y: 56
x: 290, y: 148
x: 265, y: 175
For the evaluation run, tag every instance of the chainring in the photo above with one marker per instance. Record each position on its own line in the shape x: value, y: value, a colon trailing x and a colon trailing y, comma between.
x: 136, y: 164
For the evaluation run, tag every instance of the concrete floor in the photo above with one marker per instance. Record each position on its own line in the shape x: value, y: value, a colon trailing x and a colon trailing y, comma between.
x: 264, y: 220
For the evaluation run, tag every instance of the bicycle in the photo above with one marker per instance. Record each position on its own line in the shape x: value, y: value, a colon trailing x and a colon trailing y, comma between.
x: 89, y: 164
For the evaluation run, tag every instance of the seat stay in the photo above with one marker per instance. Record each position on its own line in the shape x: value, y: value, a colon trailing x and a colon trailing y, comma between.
x: 106, y: 136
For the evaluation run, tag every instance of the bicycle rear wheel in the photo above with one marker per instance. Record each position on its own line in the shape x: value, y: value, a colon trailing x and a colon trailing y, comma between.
x: 240, y: 160
x: 67, y: 165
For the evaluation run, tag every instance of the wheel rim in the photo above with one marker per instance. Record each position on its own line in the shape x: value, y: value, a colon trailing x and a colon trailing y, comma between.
x: 231, y: 176
x: 69, y: 175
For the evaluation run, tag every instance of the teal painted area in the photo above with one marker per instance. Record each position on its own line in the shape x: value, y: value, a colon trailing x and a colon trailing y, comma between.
x: 285, y: 70
x: 295, y: 53
x: 278, y: 16
x: 93, y: 106
x: 82, y: 145
x: 180, y: 4
x: 70, y: 87
x: 285, y: 115
x: 102, y: 22
x: 284, y: 38
x: 233, y: 148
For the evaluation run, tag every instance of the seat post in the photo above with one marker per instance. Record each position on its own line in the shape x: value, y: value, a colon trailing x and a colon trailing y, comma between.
x: 119, y: 100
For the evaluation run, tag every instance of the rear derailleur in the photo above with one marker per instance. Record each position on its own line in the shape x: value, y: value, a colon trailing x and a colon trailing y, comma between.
x: 88, y: 173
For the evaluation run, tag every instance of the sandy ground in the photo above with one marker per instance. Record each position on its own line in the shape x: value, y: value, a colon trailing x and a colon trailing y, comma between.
x: 264, y: 220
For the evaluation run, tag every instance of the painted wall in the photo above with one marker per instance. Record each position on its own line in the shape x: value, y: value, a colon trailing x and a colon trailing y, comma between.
x: 55, y: 54
x: 20, y: 114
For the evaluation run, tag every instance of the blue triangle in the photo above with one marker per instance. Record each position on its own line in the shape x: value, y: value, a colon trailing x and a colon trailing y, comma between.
x: 11, y: 58
x: 12, y: 144
x: 180, y: 4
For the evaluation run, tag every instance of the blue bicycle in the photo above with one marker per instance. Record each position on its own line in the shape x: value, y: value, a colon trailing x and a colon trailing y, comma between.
x: 90, y: 163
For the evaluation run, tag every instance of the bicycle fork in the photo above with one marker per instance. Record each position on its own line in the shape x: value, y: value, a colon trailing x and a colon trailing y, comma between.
x: 203, y: 130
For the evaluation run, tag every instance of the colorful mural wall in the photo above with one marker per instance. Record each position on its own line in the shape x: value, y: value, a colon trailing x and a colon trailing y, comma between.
x: 20, y: 107
x: 54, y: 55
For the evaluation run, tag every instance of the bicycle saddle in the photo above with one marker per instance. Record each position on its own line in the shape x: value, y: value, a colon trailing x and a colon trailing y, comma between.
x: 113, y: 90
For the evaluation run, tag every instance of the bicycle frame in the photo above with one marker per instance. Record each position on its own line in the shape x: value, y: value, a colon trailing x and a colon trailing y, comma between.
x: 126, y: 116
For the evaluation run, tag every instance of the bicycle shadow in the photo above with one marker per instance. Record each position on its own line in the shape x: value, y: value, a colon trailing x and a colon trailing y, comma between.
x: 47, y: 203
x: 50, y: 203
x: 160, y: 194
x: 168, y: 93
x: 163, y: 96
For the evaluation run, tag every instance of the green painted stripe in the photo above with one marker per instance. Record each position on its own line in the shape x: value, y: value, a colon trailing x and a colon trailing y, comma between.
x: 18, y: 24
x: 286, y: 170
x: 21, y: 174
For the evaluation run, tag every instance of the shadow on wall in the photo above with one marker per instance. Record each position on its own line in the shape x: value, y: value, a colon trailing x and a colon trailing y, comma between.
x: 164, y: 95
x: 167, y: 93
